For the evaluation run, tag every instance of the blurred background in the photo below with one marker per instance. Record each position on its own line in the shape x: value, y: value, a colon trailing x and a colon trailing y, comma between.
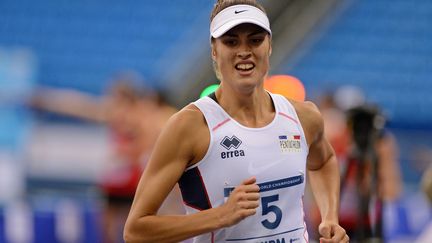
x: 72, y: 72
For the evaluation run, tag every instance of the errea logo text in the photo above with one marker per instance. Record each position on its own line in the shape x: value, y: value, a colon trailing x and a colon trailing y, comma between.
x: 228, y: 144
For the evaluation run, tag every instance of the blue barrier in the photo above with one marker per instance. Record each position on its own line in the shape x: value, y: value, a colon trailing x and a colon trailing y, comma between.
x: 46, y: 226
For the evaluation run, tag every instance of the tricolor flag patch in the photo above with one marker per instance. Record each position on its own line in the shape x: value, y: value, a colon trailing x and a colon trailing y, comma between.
x: 289, y: 143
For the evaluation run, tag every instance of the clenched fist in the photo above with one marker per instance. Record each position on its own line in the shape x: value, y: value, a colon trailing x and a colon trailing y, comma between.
x: 241, y: 203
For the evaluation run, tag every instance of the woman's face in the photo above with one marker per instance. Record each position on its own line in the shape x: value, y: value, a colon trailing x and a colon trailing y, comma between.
x: 242, y: 56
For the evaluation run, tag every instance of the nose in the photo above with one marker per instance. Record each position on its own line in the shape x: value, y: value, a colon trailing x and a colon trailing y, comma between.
x: 244, y: 51
x: 244, y: 54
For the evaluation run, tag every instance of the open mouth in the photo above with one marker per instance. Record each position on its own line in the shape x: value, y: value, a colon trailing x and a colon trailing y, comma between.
x: 245, y: 66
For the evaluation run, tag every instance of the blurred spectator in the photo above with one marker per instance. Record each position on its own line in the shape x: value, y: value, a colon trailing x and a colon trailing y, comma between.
x: 335, y: 125
x: 134, y: 117
x: 368, y: 156
x: 426, y: 185
x: 372, y: 176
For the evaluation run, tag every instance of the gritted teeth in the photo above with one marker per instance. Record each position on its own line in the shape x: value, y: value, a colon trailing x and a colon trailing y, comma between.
x: 247, y: 66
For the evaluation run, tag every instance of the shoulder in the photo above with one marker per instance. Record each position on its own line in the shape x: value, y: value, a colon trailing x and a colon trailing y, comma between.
x: 186, y: 119
x: 311, y: 119
x: 189, y: 113
x: 189, y: 132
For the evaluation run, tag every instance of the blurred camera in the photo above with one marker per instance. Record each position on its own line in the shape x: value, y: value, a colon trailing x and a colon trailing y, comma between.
x: 366, y: 123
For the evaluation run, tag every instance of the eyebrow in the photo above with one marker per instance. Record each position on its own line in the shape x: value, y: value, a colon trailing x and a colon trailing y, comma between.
x: 258, y: 32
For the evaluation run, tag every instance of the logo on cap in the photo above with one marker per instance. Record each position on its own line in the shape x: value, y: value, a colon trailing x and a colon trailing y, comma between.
x: 239, y: 11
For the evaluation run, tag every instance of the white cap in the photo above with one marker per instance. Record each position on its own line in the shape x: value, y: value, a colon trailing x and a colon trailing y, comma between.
x: 235, y: 15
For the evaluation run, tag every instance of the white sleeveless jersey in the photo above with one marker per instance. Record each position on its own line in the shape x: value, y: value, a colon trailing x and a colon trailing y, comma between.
x: 274, y: 154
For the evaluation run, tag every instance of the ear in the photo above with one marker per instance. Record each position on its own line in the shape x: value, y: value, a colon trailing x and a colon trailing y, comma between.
x: 270, y: 48
x: 213, y: 52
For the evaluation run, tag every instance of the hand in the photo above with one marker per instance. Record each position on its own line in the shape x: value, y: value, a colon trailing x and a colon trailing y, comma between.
x: 332, y: 233
x: 241, y: 203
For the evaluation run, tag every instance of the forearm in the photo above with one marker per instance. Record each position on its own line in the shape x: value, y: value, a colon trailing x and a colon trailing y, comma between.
x: 325, y: 185
x: 156, y: 228
x: 70, y: 103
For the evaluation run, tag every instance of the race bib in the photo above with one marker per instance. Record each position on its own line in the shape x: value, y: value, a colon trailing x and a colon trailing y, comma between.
x: 279, y: 218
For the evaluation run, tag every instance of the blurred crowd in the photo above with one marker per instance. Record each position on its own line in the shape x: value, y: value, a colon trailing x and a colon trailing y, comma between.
x: 134, y: 115
x: 368, y: 156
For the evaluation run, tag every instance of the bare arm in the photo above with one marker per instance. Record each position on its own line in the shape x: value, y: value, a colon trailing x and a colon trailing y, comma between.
x: 323, y: 173
x: 70, y: 103
x: 178, y: 146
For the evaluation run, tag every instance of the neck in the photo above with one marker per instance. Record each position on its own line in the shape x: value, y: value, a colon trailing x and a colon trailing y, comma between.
x: 252, y: 109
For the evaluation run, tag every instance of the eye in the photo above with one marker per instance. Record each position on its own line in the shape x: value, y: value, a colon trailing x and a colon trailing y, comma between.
x: 230, y: 41
x: 257, y: 40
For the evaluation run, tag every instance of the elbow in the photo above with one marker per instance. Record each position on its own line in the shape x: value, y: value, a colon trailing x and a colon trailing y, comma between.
x: 131, y: 233
x: 127, y: 238
x: 128, y: 235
